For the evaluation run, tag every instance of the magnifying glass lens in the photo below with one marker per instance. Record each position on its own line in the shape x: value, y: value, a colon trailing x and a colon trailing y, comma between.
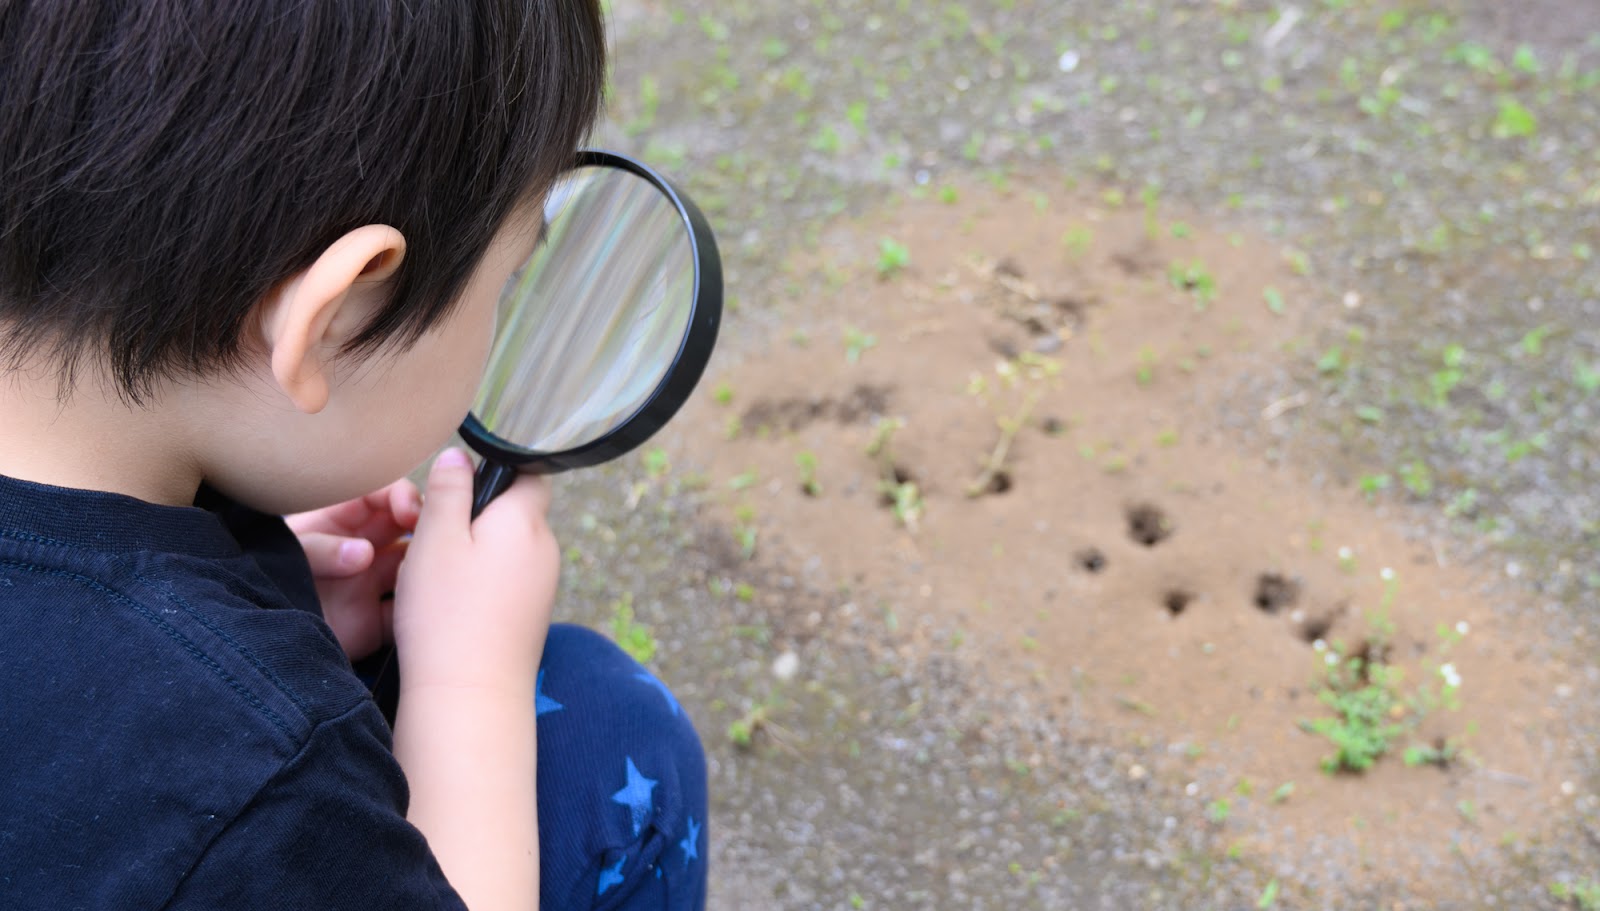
x: 592, y: 323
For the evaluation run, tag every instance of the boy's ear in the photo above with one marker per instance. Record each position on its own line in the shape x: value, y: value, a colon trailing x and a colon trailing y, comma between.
x: 307, y: 319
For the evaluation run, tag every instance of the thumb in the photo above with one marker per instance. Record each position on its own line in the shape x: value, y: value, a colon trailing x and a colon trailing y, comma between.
x: 448, y: 507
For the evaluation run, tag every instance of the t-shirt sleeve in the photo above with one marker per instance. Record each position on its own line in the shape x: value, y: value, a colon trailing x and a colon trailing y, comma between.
x: 327, y: 832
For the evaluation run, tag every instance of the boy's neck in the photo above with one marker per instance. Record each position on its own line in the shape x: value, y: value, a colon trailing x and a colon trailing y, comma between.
x: 93, y: 443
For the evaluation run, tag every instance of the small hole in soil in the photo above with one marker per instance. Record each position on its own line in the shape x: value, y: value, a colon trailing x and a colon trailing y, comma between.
x: 1148, y: 525
x: 999, y: 483
x: 1316, y: 628
x: 1275, y: 591
x: 1177, y: 601
x: 1090, y: 560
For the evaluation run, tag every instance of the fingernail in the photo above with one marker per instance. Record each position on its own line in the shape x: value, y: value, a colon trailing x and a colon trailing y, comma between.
x: 352, y: 553
x: 454, y: 457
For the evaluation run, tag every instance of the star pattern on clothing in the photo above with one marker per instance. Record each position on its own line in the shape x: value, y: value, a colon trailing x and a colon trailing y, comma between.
x: 635, y: 795
x: 611, y: 876
x: 665, y: 693
x: 542, y: 704
x: 689, y: 844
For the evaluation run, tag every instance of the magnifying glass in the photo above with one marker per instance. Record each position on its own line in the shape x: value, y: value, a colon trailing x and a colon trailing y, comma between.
x: 603, y: 332
x: 601, y: 336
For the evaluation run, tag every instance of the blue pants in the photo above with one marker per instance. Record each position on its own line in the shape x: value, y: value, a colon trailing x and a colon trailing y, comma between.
x: 622, y: 783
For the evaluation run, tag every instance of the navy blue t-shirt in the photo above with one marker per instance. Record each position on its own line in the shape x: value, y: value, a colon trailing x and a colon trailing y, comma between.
x: 178, y: 727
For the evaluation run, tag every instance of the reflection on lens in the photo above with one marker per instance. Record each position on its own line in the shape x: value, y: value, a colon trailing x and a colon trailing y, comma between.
x: 592, y: 322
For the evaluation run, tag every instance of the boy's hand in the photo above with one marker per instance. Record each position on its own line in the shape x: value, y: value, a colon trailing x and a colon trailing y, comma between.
x: 473, y: 598
x: 355, y: 550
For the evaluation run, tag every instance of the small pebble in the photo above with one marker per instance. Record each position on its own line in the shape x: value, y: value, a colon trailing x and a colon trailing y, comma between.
x: 1137, y: 772
x: 1068, y: 62
x: 787, y: 665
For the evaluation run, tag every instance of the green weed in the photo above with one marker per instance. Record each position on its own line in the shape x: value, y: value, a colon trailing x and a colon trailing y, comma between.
x: 1583, y: 894
x: 1193, y: 278
x: 1514, y: 121
x: 806, y: 461
x: 857, y: 343
x: 631, y: 636
x: 892, y: 257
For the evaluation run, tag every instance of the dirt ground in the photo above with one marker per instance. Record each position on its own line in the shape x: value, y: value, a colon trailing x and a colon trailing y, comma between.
x: 1015, y: 700
x: 1156, y: 576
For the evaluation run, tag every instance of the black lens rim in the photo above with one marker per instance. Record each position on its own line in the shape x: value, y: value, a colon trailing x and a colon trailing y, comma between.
x: 681, y: 376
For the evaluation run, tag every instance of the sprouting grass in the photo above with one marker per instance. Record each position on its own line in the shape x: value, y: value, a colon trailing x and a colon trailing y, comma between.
x: 1194, y: 278
x: 893, y: 257
x: 857, y: 342
x: 723, y: 394
x: 806, y: 461
x: 1583, y: 894
x: 1513, y: 121
x: 1148, y: 361
x: 1449, y: 375
x: 1078, y: 240
x: 1274, y: 299
x: 631, y: 636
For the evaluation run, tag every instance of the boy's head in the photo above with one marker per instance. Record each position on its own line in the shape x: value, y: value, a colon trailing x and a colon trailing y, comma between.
x: 179, y: 178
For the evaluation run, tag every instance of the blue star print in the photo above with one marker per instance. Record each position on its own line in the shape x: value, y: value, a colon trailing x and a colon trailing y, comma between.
x: 636, y: 795
x: 543, y: 704
x: 666, y: 693
x: 690, y: 852
x: 611, y: 876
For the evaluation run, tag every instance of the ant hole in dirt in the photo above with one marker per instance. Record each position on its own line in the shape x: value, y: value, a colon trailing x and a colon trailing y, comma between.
x: 1275, y: 591
x: 999, y: 482
x: 1148, y: 525
x: 1091, y: 560
x: 1316, y: 628
x: 1177, y: 601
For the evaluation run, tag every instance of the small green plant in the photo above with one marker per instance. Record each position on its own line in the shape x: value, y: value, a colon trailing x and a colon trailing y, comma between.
x: 1274, y: 299
x: 906, y: 502
x: 1373, y: 484
x: 1269, y: 896
x: 1417, y: 478
x: 857, y: 343
x: 1449, y: 375
x: 1283, y: 792
x: 892, y: 257
x: 723, y: 394
x: 631, y: 636
x: 1586, y: 377
x: 1362, y: 729
x: 1078, y: 240
x: 1193, y: 278
x: 1218, y: 811
x: 1148, y: 359
x: 1513, y: 121
x: 1583, y: 894
x: 806, y: 461
x: 656, y: 463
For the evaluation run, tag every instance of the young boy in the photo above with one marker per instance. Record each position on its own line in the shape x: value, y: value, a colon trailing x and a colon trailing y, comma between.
x: 249, y: 260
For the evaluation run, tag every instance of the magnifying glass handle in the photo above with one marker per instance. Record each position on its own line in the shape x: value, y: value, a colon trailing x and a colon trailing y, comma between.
x: 491, y: 480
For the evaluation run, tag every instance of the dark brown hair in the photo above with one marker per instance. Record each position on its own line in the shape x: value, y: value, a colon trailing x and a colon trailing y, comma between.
x: 164, y: 164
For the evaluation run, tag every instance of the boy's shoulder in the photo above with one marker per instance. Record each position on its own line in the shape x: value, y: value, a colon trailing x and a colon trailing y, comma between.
x: 163, y: 670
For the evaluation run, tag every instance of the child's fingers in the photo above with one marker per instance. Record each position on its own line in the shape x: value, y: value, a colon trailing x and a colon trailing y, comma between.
x: 404, y: 503
x: 449, y: 509
x: 336, y: 556
x: 528, y: 498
